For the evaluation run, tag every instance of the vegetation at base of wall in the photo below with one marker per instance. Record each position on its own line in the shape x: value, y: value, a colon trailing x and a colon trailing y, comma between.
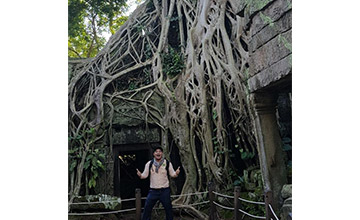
x: 287, y: 147
x: 94, y: 165
x: 110, y: 202
x: 254, y: 209
x: 94, y: 161
x: 251, y: 187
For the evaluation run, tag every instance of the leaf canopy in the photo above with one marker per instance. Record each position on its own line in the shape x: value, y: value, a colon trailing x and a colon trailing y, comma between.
x: 88, y: 21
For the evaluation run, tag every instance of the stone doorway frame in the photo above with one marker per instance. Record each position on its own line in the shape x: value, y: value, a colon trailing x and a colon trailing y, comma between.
x: 124, y: 148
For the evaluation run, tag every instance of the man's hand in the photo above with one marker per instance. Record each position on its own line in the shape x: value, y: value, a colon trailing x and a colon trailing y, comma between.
x: 177, y: 171
x: 138, y: 173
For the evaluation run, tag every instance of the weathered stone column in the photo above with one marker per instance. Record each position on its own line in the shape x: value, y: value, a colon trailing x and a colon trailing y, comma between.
x: 269, y: 145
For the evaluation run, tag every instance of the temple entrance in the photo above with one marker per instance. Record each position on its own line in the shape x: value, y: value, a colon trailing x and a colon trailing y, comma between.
x: 127, y: 159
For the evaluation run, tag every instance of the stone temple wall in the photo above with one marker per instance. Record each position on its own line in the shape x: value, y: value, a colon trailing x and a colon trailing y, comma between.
x: 270, y: 45
x: 269, y: 25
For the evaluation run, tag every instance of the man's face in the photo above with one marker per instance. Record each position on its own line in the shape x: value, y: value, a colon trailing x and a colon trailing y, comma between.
x: 158, y: 154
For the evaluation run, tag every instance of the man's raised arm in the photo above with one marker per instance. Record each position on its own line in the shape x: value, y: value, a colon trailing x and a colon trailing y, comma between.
x: 145, y: 174
x: 172, y: 172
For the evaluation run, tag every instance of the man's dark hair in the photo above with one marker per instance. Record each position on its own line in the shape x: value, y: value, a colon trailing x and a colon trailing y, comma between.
x: 158, y: 147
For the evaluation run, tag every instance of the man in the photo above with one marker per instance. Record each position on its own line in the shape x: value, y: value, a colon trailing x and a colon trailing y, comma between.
x: 159, y: 183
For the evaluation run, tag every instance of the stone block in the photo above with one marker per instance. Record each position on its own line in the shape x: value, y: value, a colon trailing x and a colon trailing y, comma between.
x: 270, y: 75
x: 133, y: 114
x: 128, y: 114
x: 157, y: 101
x: 272, y: 14
x: 270, y: 31
x: 286, y: 191
x: 286, y: 210
x: 270, y: 53
x: 134, y: 135
x: 256, y: 5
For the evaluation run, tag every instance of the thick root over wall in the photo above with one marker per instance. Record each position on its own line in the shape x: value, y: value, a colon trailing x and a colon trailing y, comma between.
x: 205, y: 96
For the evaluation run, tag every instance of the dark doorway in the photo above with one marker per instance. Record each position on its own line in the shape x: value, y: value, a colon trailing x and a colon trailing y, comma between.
x: 127, y: 159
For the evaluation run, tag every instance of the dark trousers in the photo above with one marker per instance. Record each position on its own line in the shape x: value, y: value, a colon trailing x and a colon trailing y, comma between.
x: 154, y: 195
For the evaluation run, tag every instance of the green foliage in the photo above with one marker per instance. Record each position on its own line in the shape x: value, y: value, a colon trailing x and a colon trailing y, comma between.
x: 217, y: 148
x: 246, y: 73
x: 132, y: 86
x: 74, y: 154
x: 245, y: 155
x: 88, y: 20
x: 267, y: 19
x: 173, y: 62
x: 76, y: 11
x: 251, y: 189
x: 147, y: 76
x: 289, y: 169
x: 287, y: 44
x: 175, y: 18
x: 286, y: 143
x: 226, y: 214
x: 110, y: 202
x: 254, y: 209
x: 216, y: 144
x: 287, y: 147
x: 150, y: 5
x: 214, y: 114
x: 148, y: 51
x: 290, y: 60
x: 94, y: 162
x: 289, y: 4
x: 117, y: 23
x: 238, y: 181
x: 173, y: 96
x: 72, y: 165
x: 139, y: 28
